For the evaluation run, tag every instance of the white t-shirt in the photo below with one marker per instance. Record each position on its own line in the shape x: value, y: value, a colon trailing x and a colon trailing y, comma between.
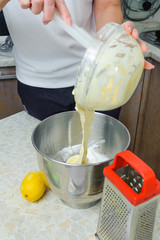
x: 45, y: 55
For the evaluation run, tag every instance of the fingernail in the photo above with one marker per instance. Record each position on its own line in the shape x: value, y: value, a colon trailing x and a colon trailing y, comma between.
x: 69, y: 21
x: 151, y: 65
x: 150, y: 68
x: 129, y: 29
x: 135, y: 31
x: 45, y: 22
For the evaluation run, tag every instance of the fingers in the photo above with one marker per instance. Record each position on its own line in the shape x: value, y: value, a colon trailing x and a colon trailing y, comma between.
x: 143, y: 46
x: 148, y: 65
x: 48, y: 8
x: 61, y: 6
x: 48, y: 11
x: 25, y: 4
x: 36, y: 6
x: 128, y: 26
x: 135, y: 33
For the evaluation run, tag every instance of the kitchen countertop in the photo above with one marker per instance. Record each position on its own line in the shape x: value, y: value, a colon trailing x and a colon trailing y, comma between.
x: 6, y: 59
x: 153, y: 52
x: 49, y: 218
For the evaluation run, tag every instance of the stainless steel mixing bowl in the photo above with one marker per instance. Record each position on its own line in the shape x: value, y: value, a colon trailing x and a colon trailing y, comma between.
x: 78, y: 186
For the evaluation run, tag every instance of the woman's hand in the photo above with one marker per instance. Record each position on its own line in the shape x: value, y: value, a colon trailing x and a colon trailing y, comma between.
x: 129, y: 27
x: 48, y: 8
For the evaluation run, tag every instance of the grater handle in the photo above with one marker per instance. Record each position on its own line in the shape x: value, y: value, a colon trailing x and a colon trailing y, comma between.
x: 128, y: 158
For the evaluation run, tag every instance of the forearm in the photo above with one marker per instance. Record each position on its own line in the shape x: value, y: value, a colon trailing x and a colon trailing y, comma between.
x: 107, y: 11
x: 3, y: 3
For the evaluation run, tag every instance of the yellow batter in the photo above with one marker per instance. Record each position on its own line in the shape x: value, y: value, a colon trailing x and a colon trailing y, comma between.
x: 115, y: 77
x: 86, y: 118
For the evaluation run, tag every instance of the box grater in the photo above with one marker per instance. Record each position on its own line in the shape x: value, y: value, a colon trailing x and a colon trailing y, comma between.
x: 130, y: 200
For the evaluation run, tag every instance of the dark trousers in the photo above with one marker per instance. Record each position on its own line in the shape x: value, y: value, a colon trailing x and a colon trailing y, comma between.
x: 43, y: 102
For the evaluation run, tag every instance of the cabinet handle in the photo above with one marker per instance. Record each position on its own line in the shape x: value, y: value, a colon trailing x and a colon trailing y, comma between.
x: 7, y: 77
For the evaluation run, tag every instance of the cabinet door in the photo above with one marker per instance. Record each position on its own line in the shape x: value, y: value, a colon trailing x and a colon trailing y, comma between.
x: 10, y: 102
x: 130, y: 112
x: 147, y: 142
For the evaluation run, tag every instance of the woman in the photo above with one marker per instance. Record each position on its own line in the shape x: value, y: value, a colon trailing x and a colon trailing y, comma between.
x: 46, y: 57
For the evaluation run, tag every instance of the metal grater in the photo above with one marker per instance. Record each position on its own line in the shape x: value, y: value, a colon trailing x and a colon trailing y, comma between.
x: 130, y: 200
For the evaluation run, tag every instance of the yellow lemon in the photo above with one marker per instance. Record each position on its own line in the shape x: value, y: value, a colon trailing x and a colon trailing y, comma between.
x: 33, y: 186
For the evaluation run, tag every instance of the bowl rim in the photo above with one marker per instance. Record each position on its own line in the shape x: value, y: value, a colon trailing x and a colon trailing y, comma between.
x: 71, y: 164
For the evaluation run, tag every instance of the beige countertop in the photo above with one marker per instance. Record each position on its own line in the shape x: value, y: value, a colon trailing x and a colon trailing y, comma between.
x: 49, y: 218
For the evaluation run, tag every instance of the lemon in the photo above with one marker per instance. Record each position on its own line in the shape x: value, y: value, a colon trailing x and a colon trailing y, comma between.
x: 33, y: 186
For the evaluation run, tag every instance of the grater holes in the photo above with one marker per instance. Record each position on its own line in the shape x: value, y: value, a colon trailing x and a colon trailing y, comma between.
x: 131, y: 177
x: 146, y: 219
x: 114, y: 216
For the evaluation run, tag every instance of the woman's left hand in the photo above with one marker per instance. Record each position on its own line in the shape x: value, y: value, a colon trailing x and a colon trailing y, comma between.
x: 129, y: 27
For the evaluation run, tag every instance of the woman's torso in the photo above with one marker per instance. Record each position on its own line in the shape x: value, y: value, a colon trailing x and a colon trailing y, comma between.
x: 45, y: 55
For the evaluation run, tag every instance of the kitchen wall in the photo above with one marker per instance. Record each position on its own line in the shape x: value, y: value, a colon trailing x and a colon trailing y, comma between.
x: 156, y: 17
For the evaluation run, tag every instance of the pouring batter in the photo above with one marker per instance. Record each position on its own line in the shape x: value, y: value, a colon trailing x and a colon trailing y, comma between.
x: 86, y: 118
x: 108, y: 82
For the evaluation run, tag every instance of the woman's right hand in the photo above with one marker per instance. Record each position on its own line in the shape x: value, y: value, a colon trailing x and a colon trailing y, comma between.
x: 48, y: 9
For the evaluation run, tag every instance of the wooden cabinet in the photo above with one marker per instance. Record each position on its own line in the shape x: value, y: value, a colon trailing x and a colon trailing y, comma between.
x: 10, y: 102
x: 141, y: 115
